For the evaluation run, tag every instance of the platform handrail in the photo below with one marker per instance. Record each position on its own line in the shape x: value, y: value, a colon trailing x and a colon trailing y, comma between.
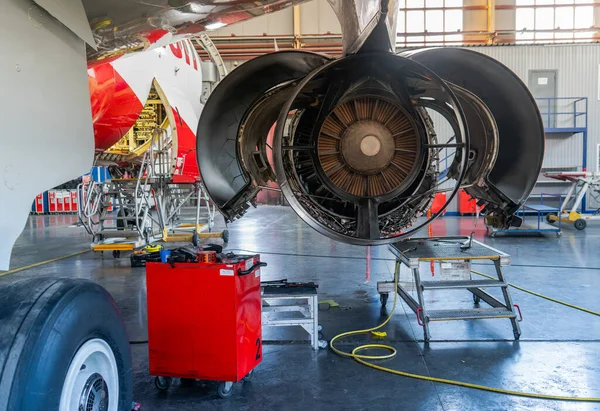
x: 555, y: 112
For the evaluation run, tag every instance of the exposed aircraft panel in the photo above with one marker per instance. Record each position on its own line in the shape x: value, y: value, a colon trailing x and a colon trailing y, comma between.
x: 126, y: 26
x: 520, y: 127
x: 225, y: 169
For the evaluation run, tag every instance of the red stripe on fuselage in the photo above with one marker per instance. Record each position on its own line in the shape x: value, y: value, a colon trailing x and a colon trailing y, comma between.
x: 115, y: 107
x: 186, y: 149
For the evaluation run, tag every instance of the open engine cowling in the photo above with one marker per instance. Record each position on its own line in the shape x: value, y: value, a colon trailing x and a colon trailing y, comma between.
x: 356, y: 150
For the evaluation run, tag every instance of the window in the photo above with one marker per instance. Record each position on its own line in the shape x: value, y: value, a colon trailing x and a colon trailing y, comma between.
x: 429, y: 22
x: 554, y: 21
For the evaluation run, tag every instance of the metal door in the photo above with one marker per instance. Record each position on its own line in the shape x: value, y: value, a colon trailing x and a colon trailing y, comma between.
x: 542, y: 84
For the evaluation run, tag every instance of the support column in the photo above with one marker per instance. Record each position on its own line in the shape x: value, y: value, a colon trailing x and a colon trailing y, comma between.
x: 475, y: 18
x: 505, y: 20
x: 597, y: 19
x: 296, y: 11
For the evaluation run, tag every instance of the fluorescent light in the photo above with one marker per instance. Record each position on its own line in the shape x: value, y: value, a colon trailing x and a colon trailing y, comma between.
x: 215, y: 25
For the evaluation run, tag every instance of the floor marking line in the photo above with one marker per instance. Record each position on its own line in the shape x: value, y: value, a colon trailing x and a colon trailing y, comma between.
x: 27, y: 267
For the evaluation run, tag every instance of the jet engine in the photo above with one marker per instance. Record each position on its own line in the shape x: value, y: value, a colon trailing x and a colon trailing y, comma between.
x: 357, y: 152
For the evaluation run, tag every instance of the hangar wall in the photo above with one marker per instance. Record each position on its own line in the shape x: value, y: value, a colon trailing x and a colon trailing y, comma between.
x: 317, y: 17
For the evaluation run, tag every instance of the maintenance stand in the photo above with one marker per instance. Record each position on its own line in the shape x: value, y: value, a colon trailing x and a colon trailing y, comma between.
x: 281, y: 298
x: 459, y: 251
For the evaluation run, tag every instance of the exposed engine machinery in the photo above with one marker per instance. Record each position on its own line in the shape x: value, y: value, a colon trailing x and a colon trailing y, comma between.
x: 356, y: 150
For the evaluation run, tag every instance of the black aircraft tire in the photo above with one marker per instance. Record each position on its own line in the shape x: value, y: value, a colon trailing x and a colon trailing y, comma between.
x: 48, y: 327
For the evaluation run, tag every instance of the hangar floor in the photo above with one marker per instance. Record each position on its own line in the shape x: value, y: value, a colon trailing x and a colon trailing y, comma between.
x: 557, y: 354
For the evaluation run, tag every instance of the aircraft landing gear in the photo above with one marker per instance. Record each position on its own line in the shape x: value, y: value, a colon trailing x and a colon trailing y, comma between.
x: 65, y: 343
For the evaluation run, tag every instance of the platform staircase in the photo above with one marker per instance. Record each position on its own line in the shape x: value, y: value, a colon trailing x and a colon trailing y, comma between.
x: 455, y: 254
x: 127, y: 210
x: 127, y: 213
x: 187, y: 211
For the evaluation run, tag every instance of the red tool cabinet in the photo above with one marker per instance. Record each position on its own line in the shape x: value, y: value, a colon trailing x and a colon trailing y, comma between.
x: 39, y: 204
x: 204, y: 320
x: 52, y: 207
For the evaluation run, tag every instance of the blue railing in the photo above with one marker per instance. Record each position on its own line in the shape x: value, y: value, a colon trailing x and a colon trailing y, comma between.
x: 564, y: 112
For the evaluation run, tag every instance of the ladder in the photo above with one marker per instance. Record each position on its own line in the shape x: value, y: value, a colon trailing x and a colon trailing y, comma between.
x: 90, y: 197
x: 125, y: 213
x: 117, y: 210
x: 412, y: 252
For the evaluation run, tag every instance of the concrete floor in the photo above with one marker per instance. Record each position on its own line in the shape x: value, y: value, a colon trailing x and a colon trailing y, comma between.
x: 558, y: 352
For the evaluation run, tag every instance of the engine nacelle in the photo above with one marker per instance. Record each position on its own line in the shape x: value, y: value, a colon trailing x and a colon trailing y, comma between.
x: 357, y: 152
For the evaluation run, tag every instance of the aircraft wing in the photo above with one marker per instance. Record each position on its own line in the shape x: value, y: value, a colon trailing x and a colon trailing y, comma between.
x: 46, y: 135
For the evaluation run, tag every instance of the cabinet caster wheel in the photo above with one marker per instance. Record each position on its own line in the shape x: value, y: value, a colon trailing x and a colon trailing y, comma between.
x: 559, y: 234
x: 163, y: 383
x: 248, y: 376
x: 476, y: 299
x: 383, y: 298
x: 323, y: 344
x: 116, y: 253
x: 225, y: 389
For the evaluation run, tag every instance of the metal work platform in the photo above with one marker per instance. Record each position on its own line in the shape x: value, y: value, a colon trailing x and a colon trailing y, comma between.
x: 279, y: 301
x: 128, y: 213
x: 543, y: 214
x: 188, y: 213
x: 459, y: 251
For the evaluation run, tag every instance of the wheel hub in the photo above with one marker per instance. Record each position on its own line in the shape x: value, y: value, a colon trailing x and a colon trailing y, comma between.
x: 92, y: 380
x: 94, y: 396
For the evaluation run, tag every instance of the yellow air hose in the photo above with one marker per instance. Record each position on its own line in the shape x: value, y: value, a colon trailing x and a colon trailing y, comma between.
x: 545, y: 297
x: 360, y: 358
